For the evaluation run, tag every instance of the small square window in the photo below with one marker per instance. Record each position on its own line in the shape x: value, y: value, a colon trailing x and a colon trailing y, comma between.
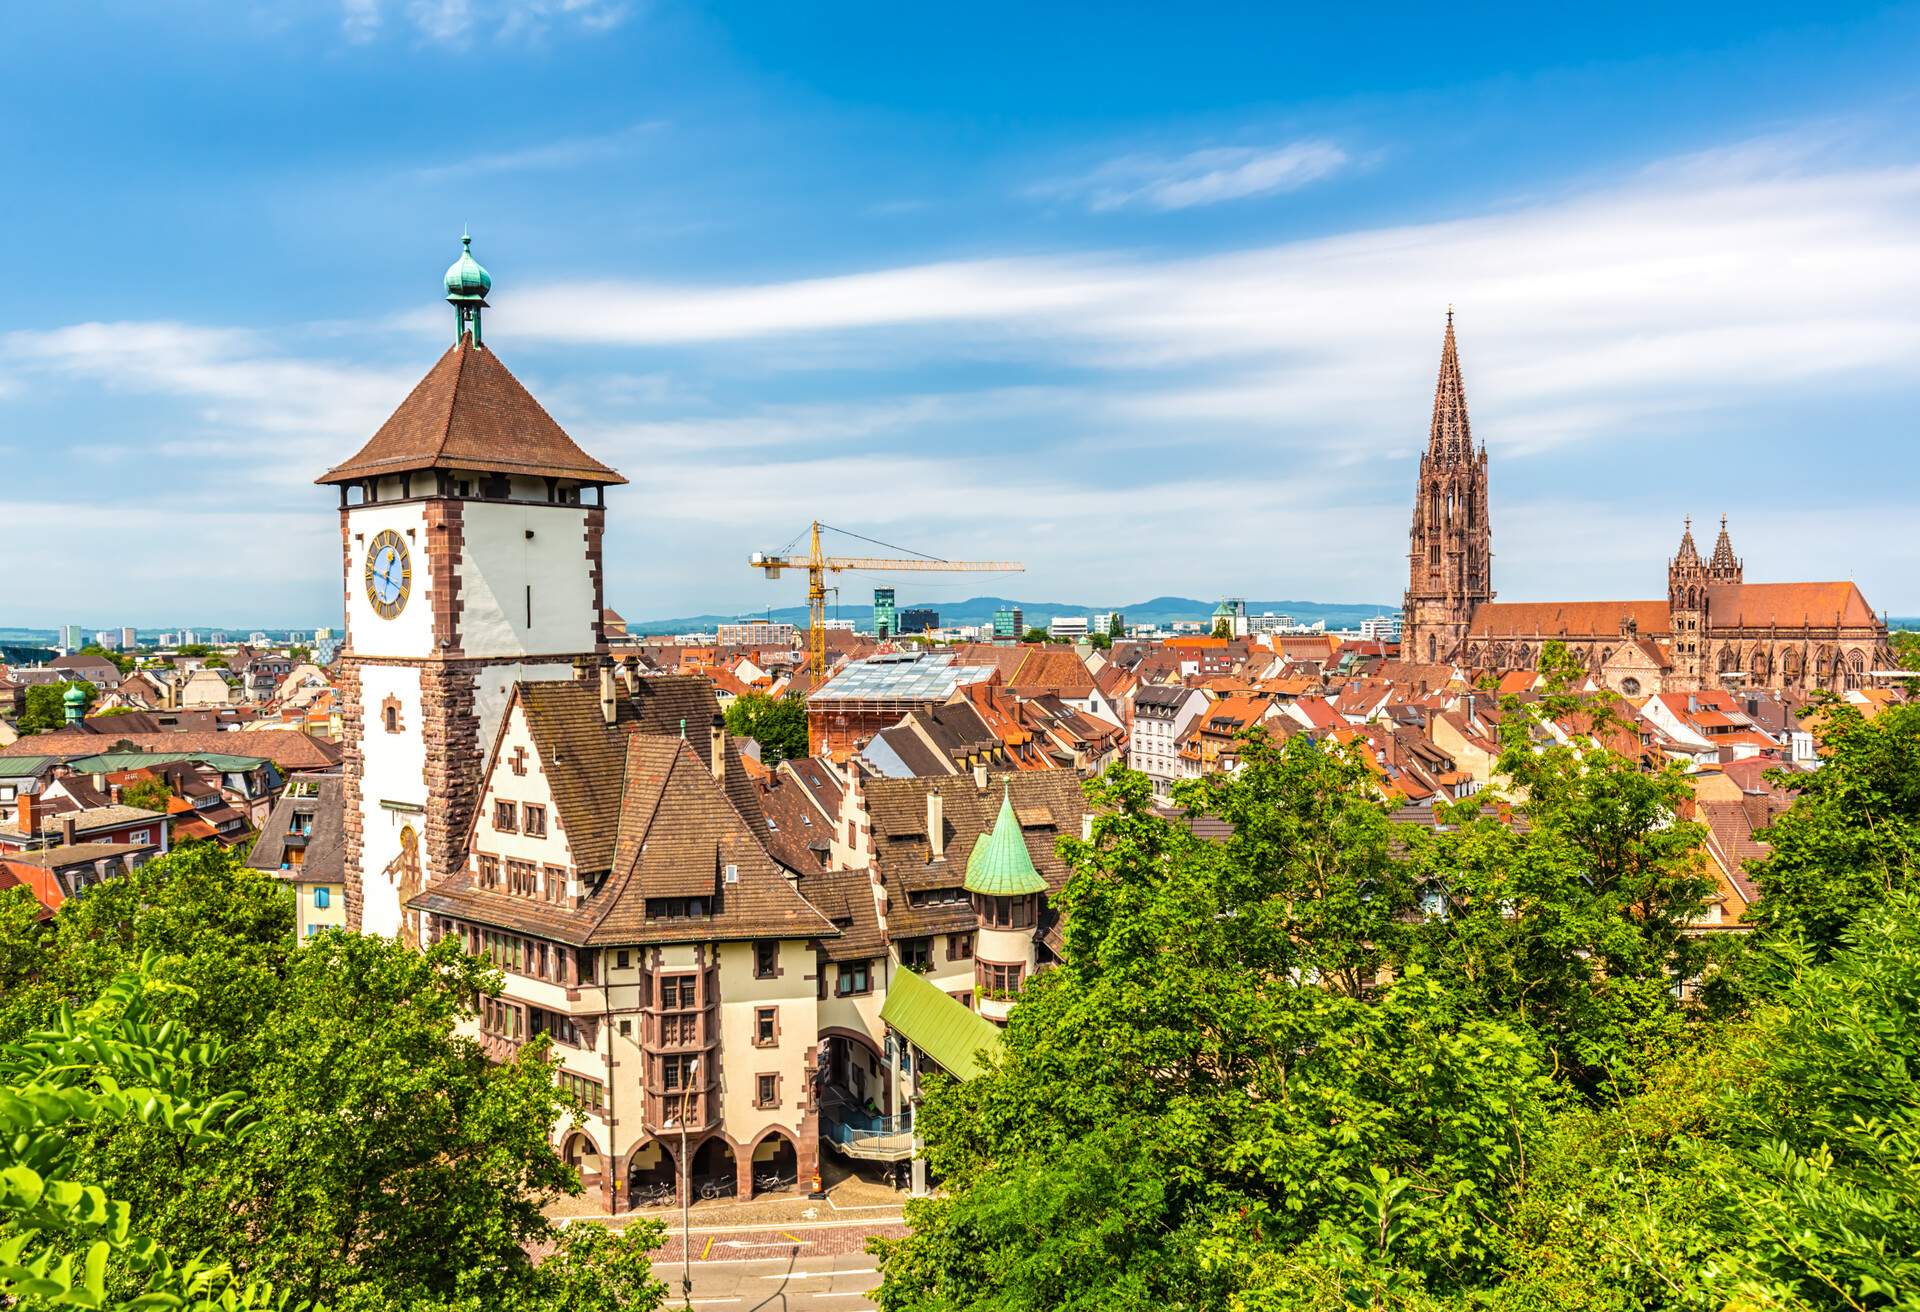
x: 766, y: 1026
x: 506, y: 817
x: 766, y: 1090
x: 322, y: 898
x: 766, y: 959
x: 626, y: 1029
x: 622, y: 959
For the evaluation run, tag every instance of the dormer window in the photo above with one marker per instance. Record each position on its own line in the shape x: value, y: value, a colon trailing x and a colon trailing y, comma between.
x: 680, y: 908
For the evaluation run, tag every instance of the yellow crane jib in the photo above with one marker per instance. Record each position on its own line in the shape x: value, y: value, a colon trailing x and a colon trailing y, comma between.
x: 817, y: 564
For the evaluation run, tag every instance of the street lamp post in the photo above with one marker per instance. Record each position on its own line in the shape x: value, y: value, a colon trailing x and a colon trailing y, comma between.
x: 686, y: 1189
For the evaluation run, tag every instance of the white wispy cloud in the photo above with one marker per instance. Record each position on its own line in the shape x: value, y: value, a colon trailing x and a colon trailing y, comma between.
x: 1202, y: 177
x: 1681, y: 288
x: 458, y: 22
x: 1240, y: 422
x: 565, y: 153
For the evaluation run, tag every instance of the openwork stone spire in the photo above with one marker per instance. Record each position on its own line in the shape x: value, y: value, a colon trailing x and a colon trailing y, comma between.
x: 1452, y: 435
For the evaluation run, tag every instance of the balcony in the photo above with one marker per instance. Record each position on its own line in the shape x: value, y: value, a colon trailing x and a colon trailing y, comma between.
x: 861, y: 1134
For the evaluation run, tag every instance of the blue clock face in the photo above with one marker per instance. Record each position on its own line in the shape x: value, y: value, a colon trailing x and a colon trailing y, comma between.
x: 389, y: 574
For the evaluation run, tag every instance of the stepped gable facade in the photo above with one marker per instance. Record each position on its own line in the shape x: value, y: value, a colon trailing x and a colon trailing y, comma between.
x: 1712, y: 629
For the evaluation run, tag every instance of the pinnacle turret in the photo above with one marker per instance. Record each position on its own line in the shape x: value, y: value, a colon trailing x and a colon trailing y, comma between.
x: 1688, y: 553
x: 1723, y: 557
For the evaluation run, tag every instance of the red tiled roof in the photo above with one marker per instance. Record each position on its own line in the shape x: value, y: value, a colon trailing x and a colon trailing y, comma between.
x: 469, y: 412
x: 1788, y: 605
x: 1572, y: 619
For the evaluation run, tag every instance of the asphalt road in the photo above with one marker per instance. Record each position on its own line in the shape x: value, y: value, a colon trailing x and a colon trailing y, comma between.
x: 789, y: 1282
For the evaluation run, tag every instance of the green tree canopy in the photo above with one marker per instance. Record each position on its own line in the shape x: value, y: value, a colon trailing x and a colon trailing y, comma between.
x: 46, y: 705
x: 388, y: 1164
x: 1852, y: 836
x: 778, y: 724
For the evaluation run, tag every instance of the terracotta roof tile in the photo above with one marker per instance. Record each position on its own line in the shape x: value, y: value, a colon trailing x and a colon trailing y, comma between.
x: 469, y: 412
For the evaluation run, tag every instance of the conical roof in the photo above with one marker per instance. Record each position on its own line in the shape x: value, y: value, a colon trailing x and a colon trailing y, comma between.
x: 1688, y: 553
x: 1452, y: 435
x: 1723, y: 557
x: 469, y: 412
x: 1000, y: 865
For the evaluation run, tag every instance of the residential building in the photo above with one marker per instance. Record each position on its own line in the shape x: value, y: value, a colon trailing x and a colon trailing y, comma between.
x: 303, y: 842
x: 71, y: 637
x: 1067, y: 626
x: 1162, y: 715
x: 129, y: 639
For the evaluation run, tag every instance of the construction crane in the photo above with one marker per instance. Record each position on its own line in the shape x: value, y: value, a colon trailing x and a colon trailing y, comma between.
x: 818, y: 564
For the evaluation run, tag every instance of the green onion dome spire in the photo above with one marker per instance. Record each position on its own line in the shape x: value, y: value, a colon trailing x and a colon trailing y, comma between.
x: 75, y: 702
x: 1000, y: 865
x: 465, y: 278
x: 467, y: 288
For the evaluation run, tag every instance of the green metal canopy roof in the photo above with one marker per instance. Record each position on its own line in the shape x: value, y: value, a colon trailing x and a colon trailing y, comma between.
x: 939, y: 1024
x: 1000, y: 865
x: 106, y: 762
x: 23, y: 767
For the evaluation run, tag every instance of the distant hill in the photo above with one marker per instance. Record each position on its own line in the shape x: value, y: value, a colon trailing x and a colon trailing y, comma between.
x: 979, y: 610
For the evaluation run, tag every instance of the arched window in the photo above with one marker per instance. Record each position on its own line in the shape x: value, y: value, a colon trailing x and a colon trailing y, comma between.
x: 1758, y: 665
x: 1433, y: 649
x: 1790, y: 667
x: 1856, y: 670
x: 1520, y: 656
x: 1729, y: 659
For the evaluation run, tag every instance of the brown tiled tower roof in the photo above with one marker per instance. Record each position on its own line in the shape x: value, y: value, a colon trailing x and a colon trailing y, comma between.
x: 469, y: 412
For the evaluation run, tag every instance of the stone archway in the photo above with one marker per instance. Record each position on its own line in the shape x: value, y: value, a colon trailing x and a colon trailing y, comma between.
x: 716, y: 1170
x: 776, y: 1162
x: 652, y: 1175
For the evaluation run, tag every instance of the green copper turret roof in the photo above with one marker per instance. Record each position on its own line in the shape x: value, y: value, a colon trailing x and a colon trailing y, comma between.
x: 1000, y: 865
x: 466, y: 280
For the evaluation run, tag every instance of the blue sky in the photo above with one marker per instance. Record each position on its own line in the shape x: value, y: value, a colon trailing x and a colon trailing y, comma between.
x: 1148, y: 296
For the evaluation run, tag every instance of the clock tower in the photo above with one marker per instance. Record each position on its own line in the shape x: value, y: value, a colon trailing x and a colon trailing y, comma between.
x: 470, y: 537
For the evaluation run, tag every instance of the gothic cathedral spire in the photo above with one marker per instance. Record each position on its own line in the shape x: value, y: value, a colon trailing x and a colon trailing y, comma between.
x: 1450, y: 557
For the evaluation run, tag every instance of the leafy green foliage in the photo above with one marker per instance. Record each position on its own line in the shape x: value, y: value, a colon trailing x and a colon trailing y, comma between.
x: 46, y: 707
x: 110, y: 1069
x: 1328, y: 1062
x: 151, y: 794
x: 1853, y: 834
x: 385, y: 1163
x: 778, y: 724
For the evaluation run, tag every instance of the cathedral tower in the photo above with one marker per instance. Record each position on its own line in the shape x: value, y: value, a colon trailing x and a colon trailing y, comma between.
x: 470, y: 532
x: 1687, y: 580
x: 1450, y: 560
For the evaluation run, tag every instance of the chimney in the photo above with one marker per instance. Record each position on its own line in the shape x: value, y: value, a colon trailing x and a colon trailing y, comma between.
x: 980, y: 775
x: 99, y: 782
x: 23, y: 815
x: 608, y: 704
x: 936, y: 824
x: 718, y: 748
x: 69, y: 831
x: 114, y: 794
x: 1086, y: 826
